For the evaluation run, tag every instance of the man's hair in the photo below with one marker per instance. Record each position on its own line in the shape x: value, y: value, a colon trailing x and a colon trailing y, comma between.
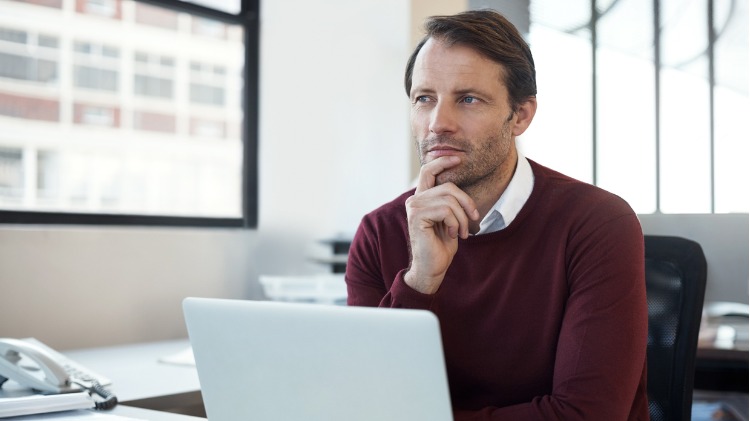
x: 492, y: 35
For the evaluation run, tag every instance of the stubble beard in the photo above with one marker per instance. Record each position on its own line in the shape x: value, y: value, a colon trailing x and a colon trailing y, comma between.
x: 483, y: 163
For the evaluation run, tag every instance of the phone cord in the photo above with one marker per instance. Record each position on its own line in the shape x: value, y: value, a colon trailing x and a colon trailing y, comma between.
x: 110, y: 400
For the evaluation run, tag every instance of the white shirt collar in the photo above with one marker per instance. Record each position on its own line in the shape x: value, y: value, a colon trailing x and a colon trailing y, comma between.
x: 505, y: 210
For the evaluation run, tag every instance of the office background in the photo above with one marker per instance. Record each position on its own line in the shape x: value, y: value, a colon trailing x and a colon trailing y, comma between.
x: 334, y: 143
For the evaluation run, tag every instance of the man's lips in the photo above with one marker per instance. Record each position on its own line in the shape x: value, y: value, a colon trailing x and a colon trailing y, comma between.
x: 438, y: 151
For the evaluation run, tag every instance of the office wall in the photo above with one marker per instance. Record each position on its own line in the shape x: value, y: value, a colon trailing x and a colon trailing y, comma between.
x: 82, y: 286
x: 724, y: 240
x: 334, y: 122
x: 334, y: 144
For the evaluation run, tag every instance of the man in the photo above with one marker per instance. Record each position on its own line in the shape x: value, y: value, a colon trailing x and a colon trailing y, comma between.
x: 537, y: 279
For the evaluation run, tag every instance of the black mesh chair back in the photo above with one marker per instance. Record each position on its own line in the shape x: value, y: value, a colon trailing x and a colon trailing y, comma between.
x: 675, y: 285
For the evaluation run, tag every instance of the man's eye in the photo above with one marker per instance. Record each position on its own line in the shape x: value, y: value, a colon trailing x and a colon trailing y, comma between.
x: 469, y: 100
x: 422, y: 98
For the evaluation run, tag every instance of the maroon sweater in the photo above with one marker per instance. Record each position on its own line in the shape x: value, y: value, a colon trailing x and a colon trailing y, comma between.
x: 544, y: 320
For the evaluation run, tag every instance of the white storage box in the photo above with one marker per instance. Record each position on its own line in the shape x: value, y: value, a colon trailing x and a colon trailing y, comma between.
x: 320, y: 288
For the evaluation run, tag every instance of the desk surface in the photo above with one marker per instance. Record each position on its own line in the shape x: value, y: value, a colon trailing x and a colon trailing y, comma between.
x: 151, y: 415
x: 145, y: 387
x: 139, y: 379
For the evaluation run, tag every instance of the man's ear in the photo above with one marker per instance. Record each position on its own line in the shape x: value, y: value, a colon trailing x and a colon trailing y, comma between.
x: 524, y: 114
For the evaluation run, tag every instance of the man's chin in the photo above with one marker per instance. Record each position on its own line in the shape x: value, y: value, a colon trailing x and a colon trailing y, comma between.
x: 447, y: 177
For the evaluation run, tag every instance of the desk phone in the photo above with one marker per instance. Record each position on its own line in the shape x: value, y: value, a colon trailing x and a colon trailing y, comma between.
x: 31, y: 363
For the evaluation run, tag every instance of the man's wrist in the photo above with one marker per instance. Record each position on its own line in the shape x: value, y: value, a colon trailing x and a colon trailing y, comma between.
x: 420, y: 284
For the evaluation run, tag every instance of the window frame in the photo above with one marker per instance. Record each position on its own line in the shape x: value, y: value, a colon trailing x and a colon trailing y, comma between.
x: 248, y: 18
x: 632, y: 136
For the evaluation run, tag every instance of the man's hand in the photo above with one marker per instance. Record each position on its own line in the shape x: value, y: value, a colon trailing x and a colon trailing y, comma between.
x: 437, y: 216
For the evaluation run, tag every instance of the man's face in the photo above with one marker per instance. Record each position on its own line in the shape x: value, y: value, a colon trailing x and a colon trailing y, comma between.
x: 460, y: 107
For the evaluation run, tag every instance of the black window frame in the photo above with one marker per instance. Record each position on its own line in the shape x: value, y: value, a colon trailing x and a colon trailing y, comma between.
x: 249, y: 19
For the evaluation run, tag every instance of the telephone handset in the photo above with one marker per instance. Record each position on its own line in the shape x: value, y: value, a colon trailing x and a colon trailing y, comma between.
x: 30, y: 363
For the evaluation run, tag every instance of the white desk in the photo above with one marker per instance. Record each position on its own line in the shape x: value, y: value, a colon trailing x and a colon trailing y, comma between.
x: 140, y: 380
x: 145, y: 387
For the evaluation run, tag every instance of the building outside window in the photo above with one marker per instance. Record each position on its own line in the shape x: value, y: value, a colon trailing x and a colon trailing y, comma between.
x: 145, y: 118
x: 154, y: 75
x: 28, y: 56
x: 207, y: 83
x: 105, y: 8
x: 96, y: 66
x: 11, y: 173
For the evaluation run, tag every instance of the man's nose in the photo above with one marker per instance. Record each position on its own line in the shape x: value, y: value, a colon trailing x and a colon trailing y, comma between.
x: 443, y: 118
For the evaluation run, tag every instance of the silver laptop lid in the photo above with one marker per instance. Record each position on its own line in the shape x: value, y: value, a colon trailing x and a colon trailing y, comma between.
x: 260, y: 360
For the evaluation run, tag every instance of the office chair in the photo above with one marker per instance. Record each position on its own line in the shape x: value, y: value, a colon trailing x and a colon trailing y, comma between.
x: 675, y: 286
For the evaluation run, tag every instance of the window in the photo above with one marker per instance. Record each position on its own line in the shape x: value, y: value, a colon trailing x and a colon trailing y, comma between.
x: 105, y: 8
x: 207, y: 83
x: 96, y: 115
x: 28, y: 56
x: 154, y: 75
x: 11, y: 175
x: 144, y: 123
x: 658, y: 117
x: 97, y: 66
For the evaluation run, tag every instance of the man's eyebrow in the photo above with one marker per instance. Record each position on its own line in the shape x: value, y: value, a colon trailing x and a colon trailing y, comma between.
x: 474, y: 91
x: 486, y: 95
x: 420, y: 90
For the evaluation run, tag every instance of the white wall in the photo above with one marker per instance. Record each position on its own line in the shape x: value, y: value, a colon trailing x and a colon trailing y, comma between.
x: 334, y: 144
x: 334, y: 121
x: 724, y: 240
x: 79, y: 286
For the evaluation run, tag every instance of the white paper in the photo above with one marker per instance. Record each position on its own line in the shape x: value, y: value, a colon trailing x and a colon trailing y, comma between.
x: 184, y: 357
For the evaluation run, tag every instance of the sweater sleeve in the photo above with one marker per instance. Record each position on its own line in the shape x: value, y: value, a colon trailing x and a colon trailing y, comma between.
x: 366, y: 273
x: 601, y: 352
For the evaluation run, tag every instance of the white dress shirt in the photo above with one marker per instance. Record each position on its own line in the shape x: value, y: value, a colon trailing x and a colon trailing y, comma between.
x: 505, y: 210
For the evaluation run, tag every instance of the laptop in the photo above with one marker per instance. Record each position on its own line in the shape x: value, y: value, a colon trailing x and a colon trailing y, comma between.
x: 264, y: 360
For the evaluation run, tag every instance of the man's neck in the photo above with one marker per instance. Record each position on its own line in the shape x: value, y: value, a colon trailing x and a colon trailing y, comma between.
x: 488, y: 191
